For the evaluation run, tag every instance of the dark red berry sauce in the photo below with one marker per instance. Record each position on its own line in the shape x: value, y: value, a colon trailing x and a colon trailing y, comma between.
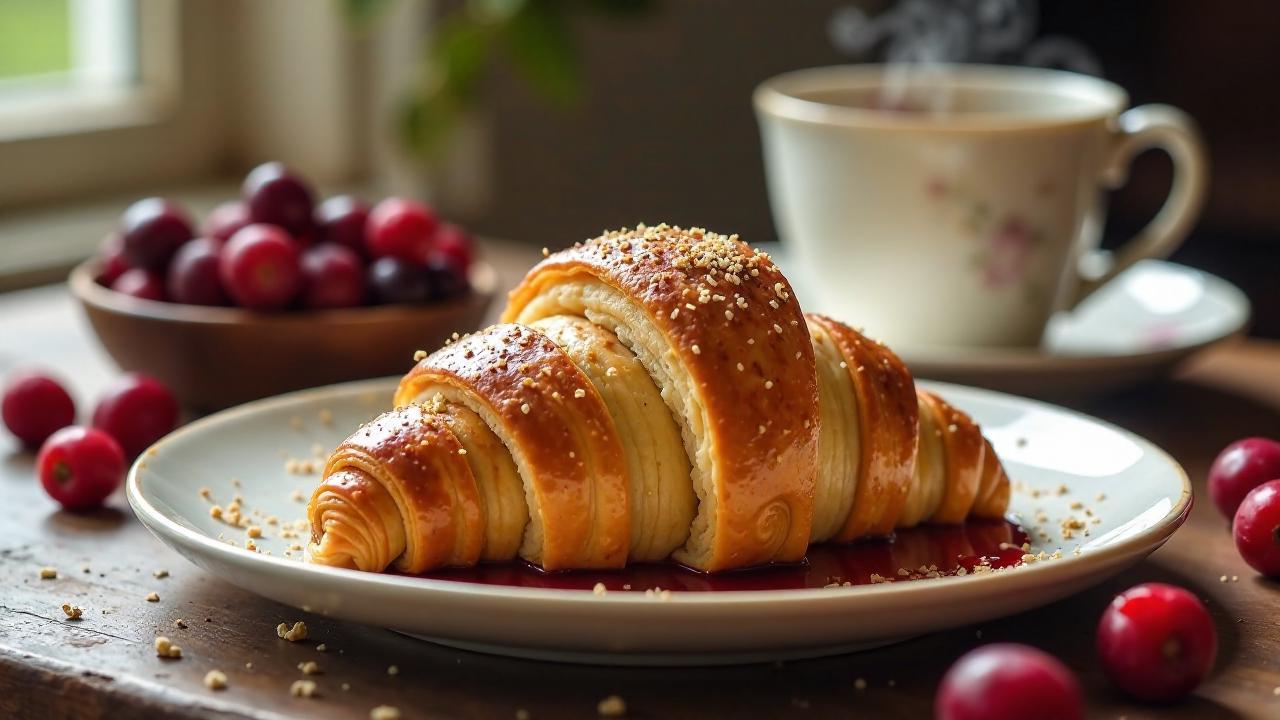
x: 914, y: 554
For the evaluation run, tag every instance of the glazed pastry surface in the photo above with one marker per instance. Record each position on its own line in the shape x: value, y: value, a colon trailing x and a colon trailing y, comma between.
x: 653, y: 393
x: 715, y: 325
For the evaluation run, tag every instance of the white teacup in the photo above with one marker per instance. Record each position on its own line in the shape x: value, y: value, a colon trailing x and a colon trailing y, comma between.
x: 971, y: 208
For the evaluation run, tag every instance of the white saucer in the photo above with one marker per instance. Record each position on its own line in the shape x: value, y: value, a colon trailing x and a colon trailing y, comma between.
x: 1137, y: 327
x: 1055, y: 456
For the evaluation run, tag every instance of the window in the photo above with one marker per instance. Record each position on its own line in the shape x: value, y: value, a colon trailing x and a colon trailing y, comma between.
x: 68, y: 65
x: 105, y: 101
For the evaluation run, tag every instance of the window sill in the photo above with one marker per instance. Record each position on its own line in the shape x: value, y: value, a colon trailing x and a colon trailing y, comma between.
x: 72, y: 112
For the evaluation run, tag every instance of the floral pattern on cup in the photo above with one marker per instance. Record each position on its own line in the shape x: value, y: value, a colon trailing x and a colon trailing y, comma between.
x: 1006, y: 240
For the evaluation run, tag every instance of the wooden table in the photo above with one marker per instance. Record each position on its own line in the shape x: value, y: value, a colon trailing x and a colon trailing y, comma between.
x: 105, y: 665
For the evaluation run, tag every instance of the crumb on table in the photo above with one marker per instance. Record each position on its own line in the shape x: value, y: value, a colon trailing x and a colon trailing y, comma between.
x: 166, y: 649
x: 292, y: 634
x: 303, y: 688
x: 215, y: 680
x: 612, y: 707
x: 48, y: 573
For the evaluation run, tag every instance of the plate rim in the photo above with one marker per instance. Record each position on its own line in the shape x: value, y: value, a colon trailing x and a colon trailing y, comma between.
x: 172, y: 533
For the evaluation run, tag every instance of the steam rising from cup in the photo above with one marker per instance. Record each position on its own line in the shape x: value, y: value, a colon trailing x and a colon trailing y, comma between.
x: 918, y: 38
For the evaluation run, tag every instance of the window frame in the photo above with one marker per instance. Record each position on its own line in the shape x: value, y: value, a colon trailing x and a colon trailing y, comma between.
x: 149, y: 99
x: 66, y: 126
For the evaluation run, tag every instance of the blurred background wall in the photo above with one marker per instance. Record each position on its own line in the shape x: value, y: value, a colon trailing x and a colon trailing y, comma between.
x: 659, y: 126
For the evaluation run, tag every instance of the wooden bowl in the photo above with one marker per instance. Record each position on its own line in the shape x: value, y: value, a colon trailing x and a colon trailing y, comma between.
x: 215, y: 357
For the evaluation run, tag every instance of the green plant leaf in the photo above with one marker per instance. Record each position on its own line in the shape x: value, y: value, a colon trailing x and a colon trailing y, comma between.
x: 541, y: 49
x: 495, y: 11
x: 620, y: 7
x: 460, y: 55
x: 362, y: 12
x: 426, y: 123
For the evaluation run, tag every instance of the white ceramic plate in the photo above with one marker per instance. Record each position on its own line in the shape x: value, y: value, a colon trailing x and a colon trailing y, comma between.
x: 1135, y: 328
x: 1045, y: 449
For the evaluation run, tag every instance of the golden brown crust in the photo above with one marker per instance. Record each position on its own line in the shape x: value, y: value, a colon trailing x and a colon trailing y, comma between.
x: 551, y: 417
x: 501, y: 493
x: 719, y: 306
x: 415, y: 458
x: 716, y: 328
x: 964, y: 447
x: 888, y: 426
x: 993, y: 492
x: 355, y: 523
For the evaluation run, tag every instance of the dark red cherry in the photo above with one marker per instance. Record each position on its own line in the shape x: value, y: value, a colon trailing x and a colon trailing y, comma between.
x: 278, y: 197
x: 259, y: 268
x: 341, y: 219
x: 153, y: 229
x: 194, y: 277
x: 333, y: 277
x: 140, y: 284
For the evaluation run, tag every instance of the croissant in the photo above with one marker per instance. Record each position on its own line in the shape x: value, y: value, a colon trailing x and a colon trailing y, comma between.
x: 651, y: 393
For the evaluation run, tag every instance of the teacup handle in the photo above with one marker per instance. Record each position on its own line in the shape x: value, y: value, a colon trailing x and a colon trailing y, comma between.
x: 1169, y: 129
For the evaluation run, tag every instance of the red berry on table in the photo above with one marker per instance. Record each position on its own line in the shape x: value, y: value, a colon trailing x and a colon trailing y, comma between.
x: 111, y: 259
x: 1257, y: 528
x: 35, y: 406
x: 1156, y: 641
x: 225, y: 220
x: 140, y: 284
x: 1240, y: 467
x: 278, y: 197
x: 79, y: 467
x: 259, y: 268
x: 392, y: 280
x: 153, y: 229
x: 454, y: 243
x: 194, y: 277
x: 333, y: 277
x: 341, y: 219
x: 1004, y: 681
x: 445, y: 278
x: 403, y: 229
x: 136, y: 410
